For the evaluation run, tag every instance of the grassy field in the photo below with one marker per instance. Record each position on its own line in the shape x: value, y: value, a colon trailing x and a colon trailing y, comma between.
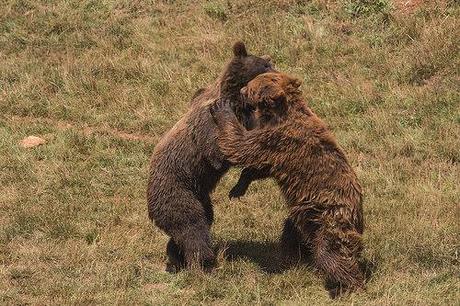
x: 101, y: 81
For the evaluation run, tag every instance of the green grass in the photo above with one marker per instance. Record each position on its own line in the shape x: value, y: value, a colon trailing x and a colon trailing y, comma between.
x: 101, y: 81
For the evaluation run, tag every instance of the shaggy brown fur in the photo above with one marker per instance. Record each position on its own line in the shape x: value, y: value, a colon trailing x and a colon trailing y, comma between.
x: 247, y: 67
x: 321, y: 189
x: 187, y: 164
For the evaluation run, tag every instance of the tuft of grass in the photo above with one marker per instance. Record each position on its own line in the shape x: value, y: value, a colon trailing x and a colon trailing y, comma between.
x: 216, y: 10
x: 357, y: 8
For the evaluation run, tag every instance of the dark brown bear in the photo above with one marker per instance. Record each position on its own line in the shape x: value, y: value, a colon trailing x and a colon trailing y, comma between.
x: 187, y: 164
x: 227, y: 83
x: 297, y: 149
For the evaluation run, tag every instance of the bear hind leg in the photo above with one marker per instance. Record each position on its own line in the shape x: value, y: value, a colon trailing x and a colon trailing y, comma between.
x: 176, y: 259
x: 295, y: 242
x: 196, y: 245
x: 290, y: 242
x: 336, y: 253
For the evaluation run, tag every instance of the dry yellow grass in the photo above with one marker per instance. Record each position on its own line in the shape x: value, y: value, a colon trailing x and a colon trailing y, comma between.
x: 100, y: 81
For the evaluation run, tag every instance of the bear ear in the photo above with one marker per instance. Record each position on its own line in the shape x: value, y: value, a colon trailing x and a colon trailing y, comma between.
x: 239, y: 49
x: 267, y: 58
x: 296, y: 82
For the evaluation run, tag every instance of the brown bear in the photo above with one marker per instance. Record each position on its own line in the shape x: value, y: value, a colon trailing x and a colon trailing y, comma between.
x: 227, y: 84
x: 297, y: 149
x: 187, y: 164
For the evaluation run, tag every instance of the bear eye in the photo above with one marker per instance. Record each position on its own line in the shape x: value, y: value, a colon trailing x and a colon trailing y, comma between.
x: 264, y: 104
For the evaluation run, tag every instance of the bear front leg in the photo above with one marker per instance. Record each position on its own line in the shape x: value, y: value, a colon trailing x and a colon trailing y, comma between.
x: 222, y: 113
x: 248, y: 175
x: 252, y: 148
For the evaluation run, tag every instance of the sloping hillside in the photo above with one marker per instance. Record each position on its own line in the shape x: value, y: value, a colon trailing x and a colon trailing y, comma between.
x: 100, y: 81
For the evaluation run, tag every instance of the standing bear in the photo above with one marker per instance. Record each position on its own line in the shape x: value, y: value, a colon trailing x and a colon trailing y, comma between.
x: 187, y: 164
x: 297, y: 149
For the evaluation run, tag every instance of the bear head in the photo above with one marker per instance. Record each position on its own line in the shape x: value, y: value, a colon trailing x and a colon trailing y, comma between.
x: 242, y: 68
x: 269, y: 96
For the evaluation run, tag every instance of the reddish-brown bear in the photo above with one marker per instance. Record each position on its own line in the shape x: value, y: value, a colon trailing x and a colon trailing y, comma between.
x: 296, y: 148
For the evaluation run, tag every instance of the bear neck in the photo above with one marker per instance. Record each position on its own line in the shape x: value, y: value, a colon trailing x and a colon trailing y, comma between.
x: 231, y: 81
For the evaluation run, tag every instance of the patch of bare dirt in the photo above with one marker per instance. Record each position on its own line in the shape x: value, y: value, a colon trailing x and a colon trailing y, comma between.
x: 405, y: 7
x: 32, y: 141
x: 88, y: 130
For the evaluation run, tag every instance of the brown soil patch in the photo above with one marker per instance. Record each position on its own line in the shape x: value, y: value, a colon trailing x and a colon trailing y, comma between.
x: 409, y: 6
x: 87, y: 130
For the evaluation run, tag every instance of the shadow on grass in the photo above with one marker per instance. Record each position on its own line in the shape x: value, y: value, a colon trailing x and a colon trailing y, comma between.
x: 265, y: 254
x: 368, y: 267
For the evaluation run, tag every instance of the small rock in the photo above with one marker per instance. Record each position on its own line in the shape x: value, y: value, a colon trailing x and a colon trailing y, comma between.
x: 32, y: 141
